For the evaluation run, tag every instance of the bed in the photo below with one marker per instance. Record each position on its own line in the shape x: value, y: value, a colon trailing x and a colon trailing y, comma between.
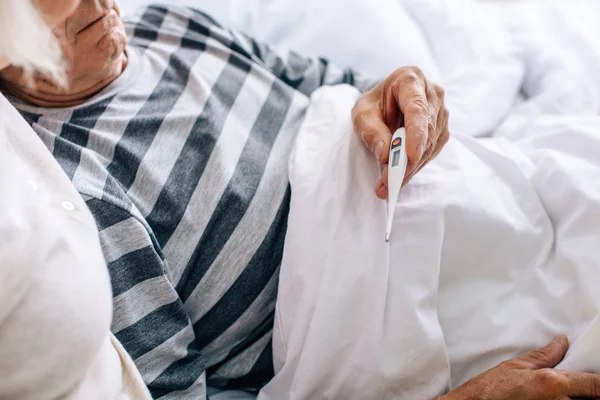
x: 492, y: 57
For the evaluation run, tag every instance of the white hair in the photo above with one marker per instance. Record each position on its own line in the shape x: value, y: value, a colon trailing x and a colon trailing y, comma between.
x: 27, y: 41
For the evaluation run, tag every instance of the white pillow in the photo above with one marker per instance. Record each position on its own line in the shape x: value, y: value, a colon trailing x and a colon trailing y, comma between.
x: 478, y: 59
x: 374, y: 37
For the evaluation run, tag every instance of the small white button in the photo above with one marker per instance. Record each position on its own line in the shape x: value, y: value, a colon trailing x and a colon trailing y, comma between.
x: 67, y: 205
x: 33, y: 185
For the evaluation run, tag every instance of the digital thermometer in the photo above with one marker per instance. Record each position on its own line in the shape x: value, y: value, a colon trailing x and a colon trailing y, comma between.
x: 396, y: 171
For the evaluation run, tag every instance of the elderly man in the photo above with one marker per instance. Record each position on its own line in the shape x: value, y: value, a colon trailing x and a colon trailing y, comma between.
x: 179, y: 142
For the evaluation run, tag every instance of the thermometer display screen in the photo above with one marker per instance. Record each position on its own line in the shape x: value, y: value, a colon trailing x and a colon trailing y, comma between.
x: 395, y: 158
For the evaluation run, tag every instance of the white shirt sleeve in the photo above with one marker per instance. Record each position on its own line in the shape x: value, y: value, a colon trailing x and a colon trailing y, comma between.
x: 55, y: 295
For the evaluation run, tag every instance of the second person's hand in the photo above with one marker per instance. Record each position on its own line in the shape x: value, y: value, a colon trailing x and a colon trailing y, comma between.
x: 531, y: 377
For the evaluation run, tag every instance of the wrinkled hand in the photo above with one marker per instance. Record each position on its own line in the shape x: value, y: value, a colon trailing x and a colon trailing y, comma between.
x: 531, y: 378
x: 406, y: 98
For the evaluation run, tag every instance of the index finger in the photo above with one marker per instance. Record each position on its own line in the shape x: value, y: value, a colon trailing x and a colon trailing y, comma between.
x: 373, y: 132
x: 581, y: 384
x: 411, y: 97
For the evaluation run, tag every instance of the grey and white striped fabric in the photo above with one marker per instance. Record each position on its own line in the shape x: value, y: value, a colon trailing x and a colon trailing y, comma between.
x: 183, y: 163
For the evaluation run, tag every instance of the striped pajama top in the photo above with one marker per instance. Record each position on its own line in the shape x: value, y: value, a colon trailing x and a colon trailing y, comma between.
x: 183, y: 163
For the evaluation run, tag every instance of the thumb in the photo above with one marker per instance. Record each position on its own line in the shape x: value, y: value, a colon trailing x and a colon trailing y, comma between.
x: 549, y: 356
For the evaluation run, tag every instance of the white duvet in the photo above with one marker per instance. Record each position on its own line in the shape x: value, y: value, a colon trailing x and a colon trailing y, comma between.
x: 495, y: 250
x: 495, y: 247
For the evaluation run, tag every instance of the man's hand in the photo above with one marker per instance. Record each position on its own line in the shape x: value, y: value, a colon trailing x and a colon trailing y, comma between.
x: 406, y: 98
x: 531, y: 378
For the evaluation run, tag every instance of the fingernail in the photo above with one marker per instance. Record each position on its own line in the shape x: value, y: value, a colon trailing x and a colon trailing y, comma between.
x: 379, y: 150
x: 558, y: 339
x: 382, y: 191
x: 420, y: 151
